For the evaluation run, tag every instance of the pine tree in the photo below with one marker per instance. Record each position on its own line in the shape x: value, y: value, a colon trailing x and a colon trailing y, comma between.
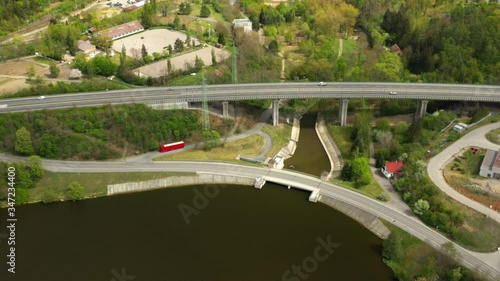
x: 123, y: 56
x: 204, y: 12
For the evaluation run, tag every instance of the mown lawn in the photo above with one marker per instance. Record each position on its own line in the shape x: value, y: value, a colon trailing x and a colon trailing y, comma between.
x: 342, y: 137
x: 349, y: 46
x: 494, y: 136
x: 250, y: 146
x: 281, y: 136
x: 95, y: 184
x: 372, y: 190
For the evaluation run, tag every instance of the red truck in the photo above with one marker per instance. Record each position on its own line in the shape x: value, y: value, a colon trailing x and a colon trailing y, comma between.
x: 171, y: 146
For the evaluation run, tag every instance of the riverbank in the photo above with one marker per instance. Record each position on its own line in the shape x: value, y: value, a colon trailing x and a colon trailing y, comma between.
x: 336, y: 161
x: 174, y: 181
x: 369, y: 221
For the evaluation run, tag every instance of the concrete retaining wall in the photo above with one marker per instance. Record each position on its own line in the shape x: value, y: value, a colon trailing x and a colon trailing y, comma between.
x: 172, y: 105
x: 295, y: 130
x: 366, y: 219
x: 289, y: 150
x: 336, y: 162
x: 178, y: 181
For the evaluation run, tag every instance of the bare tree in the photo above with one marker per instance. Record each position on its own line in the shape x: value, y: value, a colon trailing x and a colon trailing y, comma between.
x: 137, y: 55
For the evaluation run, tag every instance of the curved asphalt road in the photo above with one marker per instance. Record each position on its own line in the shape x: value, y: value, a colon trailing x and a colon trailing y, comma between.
x: 437, y: 163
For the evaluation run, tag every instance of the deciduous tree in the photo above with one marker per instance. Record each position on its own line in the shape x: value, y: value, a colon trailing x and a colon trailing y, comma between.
x: 178, y: 45
x: 75, y: 191
x: 198, y: 63
x: 54, y: 70
x: 421, y: 206
x: 23, y: 144
x: 36, y: 167
x: 204, y: 12
x: 103, y: 66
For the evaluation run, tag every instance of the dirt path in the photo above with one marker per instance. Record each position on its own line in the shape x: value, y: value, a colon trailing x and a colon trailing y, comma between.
x: 282, y: 75
x: 341, y: 47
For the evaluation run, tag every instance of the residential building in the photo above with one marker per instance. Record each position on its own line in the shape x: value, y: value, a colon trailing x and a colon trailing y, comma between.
x: 86, y: 47
x: 490, y: 167
x: 395, y: 49
x: 392, y: 169
x: 246, y: 24
x: 122, y: 30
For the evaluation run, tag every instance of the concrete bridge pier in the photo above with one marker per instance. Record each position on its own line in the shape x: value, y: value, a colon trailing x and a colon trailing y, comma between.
x: 276, y: 112
x: 421, y: 109
x: 225, y: 109
x: 343, y: 111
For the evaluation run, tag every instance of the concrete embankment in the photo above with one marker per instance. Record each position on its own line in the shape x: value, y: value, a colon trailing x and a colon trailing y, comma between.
x: 330, y: 147
x: 366, y: 219
x: 200, y: 178
x: 288, y: 151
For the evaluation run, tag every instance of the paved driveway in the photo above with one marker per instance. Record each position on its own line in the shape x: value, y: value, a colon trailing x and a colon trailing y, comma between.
x: 437, y: 163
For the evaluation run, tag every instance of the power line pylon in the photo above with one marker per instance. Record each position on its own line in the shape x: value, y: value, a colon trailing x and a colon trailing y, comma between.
x: 234, y: 67
x: 204, y: 103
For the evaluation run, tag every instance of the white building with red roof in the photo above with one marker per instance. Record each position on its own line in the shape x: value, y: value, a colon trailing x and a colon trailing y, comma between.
x: 392, y: 169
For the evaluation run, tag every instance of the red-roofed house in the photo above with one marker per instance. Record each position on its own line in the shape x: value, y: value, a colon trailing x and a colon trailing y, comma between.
x: 392, y: 169
x: 122, y: 30
x: 395, y: 49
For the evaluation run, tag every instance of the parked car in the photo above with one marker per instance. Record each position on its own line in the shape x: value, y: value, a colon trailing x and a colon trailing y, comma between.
x: 321, y: 84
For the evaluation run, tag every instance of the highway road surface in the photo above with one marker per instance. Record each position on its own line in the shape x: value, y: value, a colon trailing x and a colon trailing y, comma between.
x: 417, y: 91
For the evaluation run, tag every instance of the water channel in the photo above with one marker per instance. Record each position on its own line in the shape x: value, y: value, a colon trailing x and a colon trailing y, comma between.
x: 241, y: 234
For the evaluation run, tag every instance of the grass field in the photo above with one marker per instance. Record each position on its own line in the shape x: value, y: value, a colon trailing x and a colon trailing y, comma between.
x: 494, y: 136
x: 281, y: 136
x: 372, y: 190
x: 342, y: 137
x: 95, y: 184
x: 248, y: 146
x: 349, y: 46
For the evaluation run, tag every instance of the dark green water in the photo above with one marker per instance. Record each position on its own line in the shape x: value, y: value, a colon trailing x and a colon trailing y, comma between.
x: 242, y: 234
x: 310, y: 156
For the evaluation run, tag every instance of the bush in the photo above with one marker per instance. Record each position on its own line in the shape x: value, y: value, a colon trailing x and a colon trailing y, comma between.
x: 22, y: 196
x: 74, y: 191
x: 480, y: 114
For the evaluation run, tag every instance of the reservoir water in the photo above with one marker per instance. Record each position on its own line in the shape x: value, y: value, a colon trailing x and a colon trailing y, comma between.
x: 240, y: 234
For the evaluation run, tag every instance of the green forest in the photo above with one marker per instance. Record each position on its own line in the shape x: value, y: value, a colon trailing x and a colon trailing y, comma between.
x: 94, y: 133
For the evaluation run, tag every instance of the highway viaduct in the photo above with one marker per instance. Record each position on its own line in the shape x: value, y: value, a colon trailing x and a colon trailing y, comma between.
x: 273, y: 91
x: 225, y: 93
